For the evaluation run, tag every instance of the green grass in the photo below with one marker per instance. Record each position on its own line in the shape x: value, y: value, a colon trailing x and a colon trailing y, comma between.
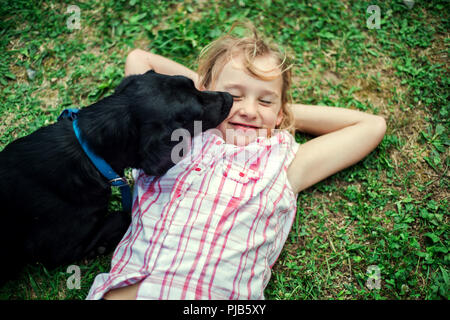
x: 389, y: 210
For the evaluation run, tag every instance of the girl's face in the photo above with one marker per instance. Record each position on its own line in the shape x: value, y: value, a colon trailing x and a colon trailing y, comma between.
x: 257, y: 103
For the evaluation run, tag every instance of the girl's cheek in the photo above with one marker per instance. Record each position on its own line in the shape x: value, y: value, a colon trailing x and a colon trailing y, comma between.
x: 234, y: 108
x: 271, y: 118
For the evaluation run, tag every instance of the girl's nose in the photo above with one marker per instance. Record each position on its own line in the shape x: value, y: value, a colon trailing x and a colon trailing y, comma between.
x: 248, y: 108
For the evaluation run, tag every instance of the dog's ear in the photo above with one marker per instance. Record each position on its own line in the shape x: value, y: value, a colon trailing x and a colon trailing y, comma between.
x: 154, y: 152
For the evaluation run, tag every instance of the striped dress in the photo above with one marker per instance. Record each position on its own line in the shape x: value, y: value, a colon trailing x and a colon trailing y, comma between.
x: 212, y: 227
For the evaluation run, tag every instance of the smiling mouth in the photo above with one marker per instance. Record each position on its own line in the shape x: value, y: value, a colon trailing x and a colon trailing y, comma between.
x: 243, y: 126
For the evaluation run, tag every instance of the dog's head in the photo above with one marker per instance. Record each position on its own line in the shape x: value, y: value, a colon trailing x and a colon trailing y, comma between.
x: 161, y: 104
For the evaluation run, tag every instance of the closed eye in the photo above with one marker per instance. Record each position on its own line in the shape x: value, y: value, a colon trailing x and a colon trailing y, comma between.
x: 265, y: 101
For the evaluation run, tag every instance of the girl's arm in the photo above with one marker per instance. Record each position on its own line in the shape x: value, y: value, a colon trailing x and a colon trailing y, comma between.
x: 344, y: 137
x: 140, y: 61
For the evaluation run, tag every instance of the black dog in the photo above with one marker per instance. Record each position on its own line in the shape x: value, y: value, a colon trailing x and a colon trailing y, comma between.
x: 54, y: 201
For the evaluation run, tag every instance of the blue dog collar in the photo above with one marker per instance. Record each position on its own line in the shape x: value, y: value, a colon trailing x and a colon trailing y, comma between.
x: 105, y: 169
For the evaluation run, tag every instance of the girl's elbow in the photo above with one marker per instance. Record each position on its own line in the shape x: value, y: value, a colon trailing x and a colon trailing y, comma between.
x: 137, y: 62
x: 379, y: 127
x: 381, y: 124
x: 133, y: 55
x: 136, y: 53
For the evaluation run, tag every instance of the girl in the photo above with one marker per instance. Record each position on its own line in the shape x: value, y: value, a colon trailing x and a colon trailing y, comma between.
x: 214, y: 225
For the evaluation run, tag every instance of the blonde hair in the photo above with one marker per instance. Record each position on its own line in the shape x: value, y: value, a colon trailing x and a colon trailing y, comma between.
x: 214, y: 57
